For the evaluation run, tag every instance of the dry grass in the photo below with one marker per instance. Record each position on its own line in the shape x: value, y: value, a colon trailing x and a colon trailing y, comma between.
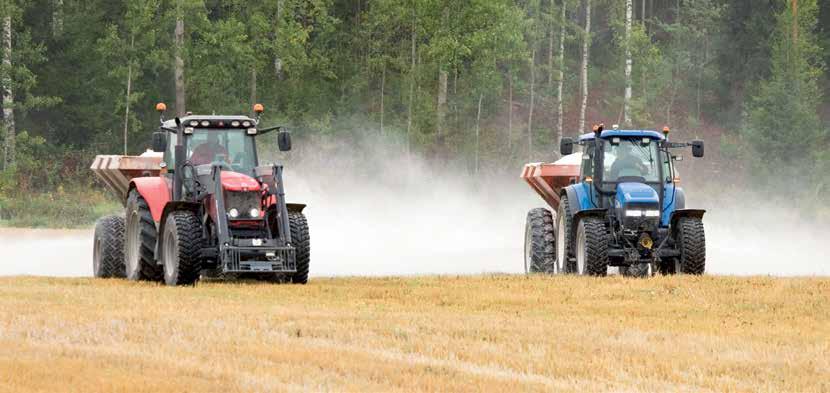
x: 493, y: 333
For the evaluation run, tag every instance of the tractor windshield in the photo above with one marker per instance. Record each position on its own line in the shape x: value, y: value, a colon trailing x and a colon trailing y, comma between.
x: 229, y: 146
x: 631, y: 160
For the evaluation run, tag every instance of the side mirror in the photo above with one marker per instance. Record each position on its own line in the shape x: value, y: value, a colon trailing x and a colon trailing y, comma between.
x: 159, y: 141
x: 697, y: 148
x: 284, y: 140
x: 566, y: 146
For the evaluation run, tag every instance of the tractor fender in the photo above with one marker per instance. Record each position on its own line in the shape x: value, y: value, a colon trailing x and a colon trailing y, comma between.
x: 155, y: 192
x: 573, y: 200
x: 171, y: 207
x: 600, y: 213
x: 295, y: 207
x: 682, y: 213
x: 674, y: 198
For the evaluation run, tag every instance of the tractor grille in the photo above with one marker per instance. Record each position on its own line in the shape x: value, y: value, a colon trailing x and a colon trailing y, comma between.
x: 242, y: 201
x: 259, y: 259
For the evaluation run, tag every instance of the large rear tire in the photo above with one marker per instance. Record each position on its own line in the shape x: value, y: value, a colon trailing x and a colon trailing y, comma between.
x: 302, y: 246
x: 692, y: 243
x: 182, y: 248
x: 108, y: 248
x: 591, y: 247
x: 539, y: 251
x: 564, y: 249
x: 140, y: 241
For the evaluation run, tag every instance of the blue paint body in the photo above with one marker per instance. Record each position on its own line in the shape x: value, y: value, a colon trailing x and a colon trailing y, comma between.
x: 628, y: 193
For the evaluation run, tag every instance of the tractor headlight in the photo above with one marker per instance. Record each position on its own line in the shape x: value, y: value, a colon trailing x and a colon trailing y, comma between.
x: 233, y: 213
x: 642, y: 213
x: 254, y: 213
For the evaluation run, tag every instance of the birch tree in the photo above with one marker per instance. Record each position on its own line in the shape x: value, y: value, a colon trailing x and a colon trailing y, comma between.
x: 586, y: 46
x: 7, y: 85
x: 628, y: 62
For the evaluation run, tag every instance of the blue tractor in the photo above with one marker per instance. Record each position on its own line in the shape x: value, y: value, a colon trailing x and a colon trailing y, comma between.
x: 622, y: 209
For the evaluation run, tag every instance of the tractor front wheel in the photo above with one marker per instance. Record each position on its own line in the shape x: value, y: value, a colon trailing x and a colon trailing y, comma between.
x: 302, y: 246
x: 108, y: 248
x: 181, y: 248
x: 591, y: 247
x: 539, y: 242
x: 692, y: 242
x: 564, y: 248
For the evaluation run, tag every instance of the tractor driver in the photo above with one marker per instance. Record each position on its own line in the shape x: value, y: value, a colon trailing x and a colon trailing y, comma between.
x: 627, y: 163
x: 208, y: 151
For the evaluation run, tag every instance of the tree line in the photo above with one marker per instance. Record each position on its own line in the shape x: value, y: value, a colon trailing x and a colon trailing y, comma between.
x: 487, y: 82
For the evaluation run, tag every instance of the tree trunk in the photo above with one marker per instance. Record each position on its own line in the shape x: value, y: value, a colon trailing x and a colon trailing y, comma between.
x: 57, y: 18
x: 550, y: 46
x: 442, y: 104
x: 586, y: 45
x: 277, y: 59
x: 253, y: 87
x: 382, y: 87
x: 129, y: 91
x: 559, y: 111
x: 510, y: 111
x: 411, y: 88
x: 8, y: 97
x: 532, y: 98
x: 628, y: 61
x: 478, y: 122
x: 179, y: 68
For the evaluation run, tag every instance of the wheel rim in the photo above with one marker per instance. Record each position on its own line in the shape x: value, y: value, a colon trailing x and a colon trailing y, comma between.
x: 580, y: 249
x: 96, y: 256
x: 133, y: 243
x: 528, y: 250
x: 560, y: 245
x: 170, y: 254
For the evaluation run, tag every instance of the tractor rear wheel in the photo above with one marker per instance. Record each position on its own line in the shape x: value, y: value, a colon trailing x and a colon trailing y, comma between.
x: 302, y: 246
x: 692, y: 242
x: 564, y: 248
x: 182, y: 248
x: 539, y: 242
x: 591, y: 247
x: 140, y: 241
x: 108, y: 248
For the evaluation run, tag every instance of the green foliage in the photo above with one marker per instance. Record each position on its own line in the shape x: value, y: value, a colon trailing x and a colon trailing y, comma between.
x: 331, y: 69
x: 783, y: 127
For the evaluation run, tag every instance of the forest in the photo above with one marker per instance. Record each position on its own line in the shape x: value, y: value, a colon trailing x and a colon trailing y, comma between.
x: 483, y: 84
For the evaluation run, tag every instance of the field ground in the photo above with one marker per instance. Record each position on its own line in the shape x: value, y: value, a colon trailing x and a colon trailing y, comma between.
x: 493, y: 333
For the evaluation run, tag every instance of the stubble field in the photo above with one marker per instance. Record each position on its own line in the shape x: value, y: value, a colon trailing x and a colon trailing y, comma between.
x: 452, y: 333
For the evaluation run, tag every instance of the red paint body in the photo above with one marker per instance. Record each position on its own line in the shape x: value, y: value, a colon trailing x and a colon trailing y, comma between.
x: 156, y: 190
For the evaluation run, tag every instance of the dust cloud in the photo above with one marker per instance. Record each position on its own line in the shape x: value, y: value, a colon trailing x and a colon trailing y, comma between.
x: 374, y: 211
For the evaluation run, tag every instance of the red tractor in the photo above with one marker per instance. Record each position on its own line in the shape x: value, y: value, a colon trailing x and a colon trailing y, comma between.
x: 201, y: 205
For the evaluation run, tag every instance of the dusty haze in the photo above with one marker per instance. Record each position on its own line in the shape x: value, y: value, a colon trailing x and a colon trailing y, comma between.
x: 378, y: 213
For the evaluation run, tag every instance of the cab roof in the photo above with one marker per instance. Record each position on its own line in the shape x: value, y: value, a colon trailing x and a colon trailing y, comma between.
x: 624, y: 133
x: 171, y: 123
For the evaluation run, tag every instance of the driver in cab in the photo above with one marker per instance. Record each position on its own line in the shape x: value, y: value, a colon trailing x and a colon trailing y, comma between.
x: 208, y: 151
x: 627, y: 163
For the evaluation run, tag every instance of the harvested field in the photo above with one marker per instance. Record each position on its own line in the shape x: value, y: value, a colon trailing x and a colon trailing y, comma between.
x: 494, y: 333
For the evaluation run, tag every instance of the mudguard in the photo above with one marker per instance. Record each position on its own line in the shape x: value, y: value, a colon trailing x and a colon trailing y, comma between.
x: 295, y: 207
x: 682, y: 213
x: 674, y: 199
x: 155, y: 191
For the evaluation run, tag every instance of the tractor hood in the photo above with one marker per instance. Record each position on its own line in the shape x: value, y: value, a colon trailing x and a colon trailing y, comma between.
x: 235, y: 181
x: 637, y: 194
